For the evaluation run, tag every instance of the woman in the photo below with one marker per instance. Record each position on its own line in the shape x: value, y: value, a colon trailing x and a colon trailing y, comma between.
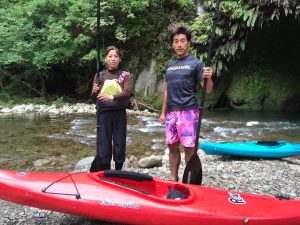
x: 111, y: 92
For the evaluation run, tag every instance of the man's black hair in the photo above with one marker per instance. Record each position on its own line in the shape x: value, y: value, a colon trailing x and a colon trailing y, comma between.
x: 180, y: 30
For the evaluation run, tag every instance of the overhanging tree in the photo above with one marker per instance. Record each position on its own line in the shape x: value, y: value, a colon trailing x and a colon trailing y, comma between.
x: 237, y: 19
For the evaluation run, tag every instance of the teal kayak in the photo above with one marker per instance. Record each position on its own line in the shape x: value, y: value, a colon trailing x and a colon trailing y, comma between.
x: 261, y: 149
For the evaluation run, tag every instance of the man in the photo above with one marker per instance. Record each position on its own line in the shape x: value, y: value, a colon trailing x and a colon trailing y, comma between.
x: 180, y: 112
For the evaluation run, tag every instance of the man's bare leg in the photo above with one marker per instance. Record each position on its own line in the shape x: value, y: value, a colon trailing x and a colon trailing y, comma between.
x: 174, y: 160
x: 188, y: 153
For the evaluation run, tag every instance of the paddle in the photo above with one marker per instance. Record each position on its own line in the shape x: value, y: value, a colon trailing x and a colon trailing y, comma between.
x: 96, y: 164
x: 194, y: 166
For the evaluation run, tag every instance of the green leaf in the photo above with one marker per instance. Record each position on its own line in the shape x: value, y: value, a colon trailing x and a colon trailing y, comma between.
x: 242, y: 45
x: 254, y: 18
x: 233, y: 29
x: 220, y: 65
x: 246, y: 16
x: 218, y: 31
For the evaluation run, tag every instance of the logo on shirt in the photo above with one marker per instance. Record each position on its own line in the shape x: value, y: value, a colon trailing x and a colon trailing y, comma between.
x: 185, y: 67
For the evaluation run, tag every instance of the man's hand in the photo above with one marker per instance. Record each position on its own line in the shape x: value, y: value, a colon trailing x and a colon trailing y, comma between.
x: 162, y: 118
x: 207, y: 72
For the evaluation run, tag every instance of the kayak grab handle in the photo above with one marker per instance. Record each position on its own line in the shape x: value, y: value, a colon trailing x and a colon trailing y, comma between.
x: 125, y: 186
x: 128, y: 175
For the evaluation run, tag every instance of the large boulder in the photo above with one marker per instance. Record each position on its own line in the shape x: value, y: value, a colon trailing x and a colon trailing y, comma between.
x: 253, y: 88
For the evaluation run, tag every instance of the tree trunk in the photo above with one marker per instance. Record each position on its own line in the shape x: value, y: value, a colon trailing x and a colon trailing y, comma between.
x: 43, y: 77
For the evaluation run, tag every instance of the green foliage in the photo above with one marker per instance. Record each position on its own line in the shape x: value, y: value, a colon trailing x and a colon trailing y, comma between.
x: 38, y: 35
x: 43, y: 42
x: 35, y: 101
x: 236, y: 19
x: 5, y: 97
x: 58, y: 102
x: 41, y: 33
x: 162, y: 58
x: 155, y: 100
x: 6, y: 100
x: 132, y: 66
x: 249, y: 89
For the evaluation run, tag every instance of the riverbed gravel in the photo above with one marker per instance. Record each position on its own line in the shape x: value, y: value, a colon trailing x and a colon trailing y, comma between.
x: 279, y: 177
x: 268, y: 177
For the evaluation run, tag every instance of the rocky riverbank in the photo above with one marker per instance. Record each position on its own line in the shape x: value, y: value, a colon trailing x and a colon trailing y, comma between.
x: 66, y: 108
x: 268, y: 177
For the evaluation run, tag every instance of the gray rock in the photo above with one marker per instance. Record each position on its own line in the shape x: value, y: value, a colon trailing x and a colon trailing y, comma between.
x: 83, y: 163
x: 41, y: 162
x: 149, y: 162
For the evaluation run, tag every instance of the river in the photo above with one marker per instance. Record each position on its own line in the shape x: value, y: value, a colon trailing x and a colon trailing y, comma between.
x: 47, y: 142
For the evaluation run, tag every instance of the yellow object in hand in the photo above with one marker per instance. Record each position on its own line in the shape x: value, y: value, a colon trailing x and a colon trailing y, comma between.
x: 111, y: 87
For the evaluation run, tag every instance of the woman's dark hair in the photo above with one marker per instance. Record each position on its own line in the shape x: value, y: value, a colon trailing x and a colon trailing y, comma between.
x: 180, y: 30
x: 109, y: 48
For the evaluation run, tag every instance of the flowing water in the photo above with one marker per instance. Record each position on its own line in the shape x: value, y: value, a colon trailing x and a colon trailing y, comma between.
x: 56, y: 143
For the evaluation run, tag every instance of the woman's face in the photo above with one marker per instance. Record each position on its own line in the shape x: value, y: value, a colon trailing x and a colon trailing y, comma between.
x: 112, y: 60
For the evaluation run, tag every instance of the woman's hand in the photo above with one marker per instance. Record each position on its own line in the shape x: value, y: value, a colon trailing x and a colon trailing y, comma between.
x: 105, y: 97
x: 96, y: 88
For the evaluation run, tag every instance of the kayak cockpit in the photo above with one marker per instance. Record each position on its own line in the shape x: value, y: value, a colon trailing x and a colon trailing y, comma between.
x: 143, y: 184
x: 270, y: 143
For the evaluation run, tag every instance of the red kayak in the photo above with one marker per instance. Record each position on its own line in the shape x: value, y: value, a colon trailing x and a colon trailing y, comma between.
x: 133, y: 198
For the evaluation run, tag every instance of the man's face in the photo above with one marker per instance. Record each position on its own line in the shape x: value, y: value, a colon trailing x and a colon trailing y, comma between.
x: 180, y: 45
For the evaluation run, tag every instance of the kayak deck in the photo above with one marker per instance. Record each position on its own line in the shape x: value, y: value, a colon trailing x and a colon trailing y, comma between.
x: 261, y: 149
x: 132, y: 198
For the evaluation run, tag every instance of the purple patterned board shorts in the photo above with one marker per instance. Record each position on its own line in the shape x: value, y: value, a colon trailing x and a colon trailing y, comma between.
x: 181, y: 126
